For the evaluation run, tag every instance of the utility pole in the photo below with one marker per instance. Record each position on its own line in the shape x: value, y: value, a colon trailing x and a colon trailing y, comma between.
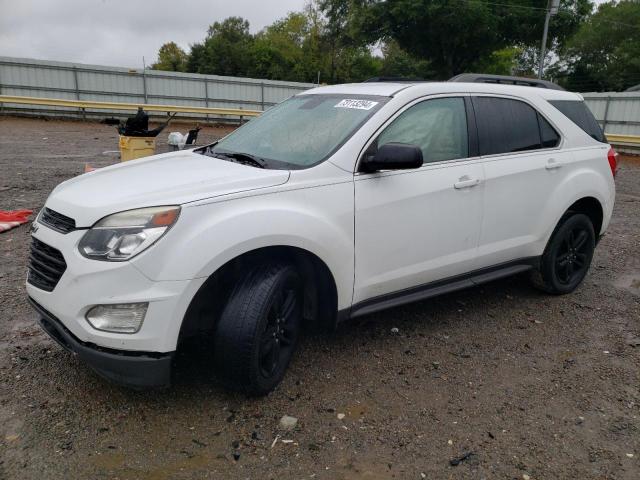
x: 552, y: 9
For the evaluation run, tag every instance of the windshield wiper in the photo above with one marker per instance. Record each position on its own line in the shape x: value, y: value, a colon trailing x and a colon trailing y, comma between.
x: 244, y: 158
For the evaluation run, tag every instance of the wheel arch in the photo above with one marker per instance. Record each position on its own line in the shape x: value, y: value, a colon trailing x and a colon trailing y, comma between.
x: 320, y: 289
x: 592, y: 208
x: 588, y: 203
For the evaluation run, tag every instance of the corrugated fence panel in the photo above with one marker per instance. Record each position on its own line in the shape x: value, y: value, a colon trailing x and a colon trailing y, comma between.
x: 40, y: 78
x: 617, y: 112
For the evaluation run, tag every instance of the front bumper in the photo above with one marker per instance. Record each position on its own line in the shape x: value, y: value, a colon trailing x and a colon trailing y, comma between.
x: 133, y: 369
x: 86, y: 283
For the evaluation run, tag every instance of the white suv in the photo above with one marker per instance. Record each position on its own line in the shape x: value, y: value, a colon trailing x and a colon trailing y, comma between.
x: 338, y: 202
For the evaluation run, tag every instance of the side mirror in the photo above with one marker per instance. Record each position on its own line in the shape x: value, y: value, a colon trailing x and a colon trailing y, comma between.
x: 393, y: 156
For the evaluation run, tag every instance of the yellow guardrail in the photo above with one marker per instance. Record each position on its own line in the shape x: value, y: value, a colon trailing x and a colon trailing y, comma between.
x: 623, y: 139
x: 84, y: 104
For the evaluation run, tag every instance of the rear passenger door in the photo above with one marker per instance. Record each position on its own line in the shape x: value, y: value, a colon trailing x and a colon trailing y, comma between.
x: 523, y: 165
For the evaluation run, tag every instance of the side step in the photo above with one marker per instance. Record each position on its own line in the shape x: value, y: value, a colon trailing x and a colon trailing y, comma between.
x: 441, y: 287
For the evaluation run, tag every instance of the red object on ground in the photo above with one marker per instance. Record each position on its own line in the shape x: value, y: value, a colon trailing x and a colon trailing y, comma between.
x: 13, y: 218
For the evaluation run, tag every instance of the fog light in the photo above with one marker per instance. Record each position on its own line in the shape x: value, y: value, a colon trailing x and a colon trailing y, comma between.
x: 117, y: 318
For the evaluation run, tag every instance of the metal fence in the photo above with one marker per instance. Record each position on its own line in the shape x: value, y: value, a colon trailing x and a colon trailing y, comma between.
x: 617, y: 113
x: 61, y: 80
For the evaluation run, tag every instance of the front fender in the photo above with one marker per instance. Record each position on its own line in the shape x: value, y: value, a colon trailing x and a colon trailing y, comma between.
x: 319, y: 220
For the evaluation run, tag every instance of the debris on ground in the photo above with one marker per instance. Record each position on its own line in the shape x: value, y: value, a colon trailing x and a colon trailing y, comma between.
x: 12, y: 218
x: 288, y: 423
x: 458, y: 460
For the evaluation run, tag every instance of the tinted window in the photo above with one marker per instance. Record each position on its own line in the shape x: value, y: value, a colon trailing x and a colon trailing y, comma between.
x: 549, y: 136
x: 506, y: 125
x: 438, y: 127
x: 578, y: 112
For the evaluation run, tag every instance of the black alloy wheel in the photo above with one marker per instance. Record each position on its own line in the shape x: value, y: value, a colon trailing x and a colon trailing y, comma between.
x: 259, y: 328
x: 568, y: 255
x: 281, y: 330
x: 573, y: 252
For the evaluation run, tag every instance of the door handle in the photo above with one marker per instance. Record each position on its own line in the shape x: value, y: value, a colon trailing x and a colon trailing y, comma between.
x: 552, y: 164
x: 466, y: 182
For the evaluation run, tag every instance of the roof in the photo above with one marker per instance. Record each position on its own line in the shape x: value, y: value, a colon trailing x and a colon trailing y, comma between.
x: 433, y: 88
x: 385, y: 89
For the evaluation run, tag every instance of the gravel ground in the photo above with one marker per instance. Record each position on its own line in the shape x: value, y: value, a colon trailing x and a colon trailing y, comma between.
x: 514, y: 383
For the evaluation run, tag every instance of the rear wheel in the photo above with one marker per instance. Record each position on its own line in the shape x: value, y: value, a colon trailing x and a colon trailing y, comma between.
x: 259, y: 328
x: 568, y: 255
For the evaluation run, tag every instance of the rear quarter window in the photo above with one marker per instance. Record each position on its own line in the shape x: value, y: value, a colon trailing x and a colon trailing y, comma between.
x: 578, y: 112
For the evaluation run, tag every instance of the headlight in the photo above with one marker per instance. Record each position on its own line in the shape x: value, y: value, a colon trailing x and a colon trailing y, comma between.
x: 123, y: 235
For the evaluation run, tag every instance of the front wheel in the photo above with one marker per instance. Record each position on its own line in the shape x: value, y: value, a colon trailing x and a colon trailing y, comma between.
x: 259, y: 328
x: 568, y: 255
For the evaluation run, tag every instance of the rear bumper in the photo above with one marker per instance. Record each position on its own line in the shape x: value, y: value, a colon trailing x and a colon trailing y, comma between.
x: 132, y: 369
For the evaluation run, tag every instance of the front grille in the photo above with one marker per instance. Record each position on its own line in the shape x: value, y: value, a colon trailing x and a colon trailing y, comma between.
x: 46, y: 266
x: 57, y: 221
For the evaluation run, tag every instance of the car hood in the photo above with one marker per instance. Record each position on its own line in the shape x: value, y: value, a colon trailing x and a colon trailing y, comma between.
x: 169, y: 179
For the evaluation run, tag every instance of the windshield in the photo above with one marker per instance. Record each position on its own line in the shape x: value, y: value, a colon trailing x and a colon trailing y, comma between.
x: 300, y: 132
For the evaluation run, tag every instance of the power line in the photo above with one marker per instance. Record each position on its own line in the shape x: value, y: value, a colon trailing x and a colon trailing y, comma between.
x: 566, y: 11
x: 508, y: 5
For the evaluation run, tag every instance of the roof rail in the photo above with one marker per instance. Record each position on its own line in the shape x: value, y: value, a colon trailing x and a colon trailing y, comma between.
x: 394, y: 79
x: 504, y: 80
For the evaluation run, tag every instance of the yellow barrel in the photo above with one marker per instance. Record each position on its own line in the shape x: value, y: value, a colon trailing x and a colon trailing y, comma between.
x: 136, y: 147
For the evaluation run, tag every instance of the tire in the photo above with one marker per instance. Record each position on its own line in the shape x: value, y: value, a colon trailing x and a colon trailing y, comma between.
x: 259, y: 329
x: 567, y: 257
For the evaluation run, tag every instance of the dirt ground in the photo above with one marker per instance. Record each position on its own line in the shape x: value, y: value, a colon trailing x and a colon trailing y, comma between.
x: 518, y: 384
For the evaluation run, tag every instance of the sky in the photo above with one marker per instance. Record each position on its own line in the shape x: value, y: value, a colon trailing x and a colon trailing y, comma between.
x: 120, y: 32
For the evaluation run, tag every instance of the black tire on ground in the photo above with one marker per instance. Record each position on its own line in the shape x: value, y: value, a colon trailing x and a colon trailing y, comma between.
x: 568, y: 255
x: 259, y: 328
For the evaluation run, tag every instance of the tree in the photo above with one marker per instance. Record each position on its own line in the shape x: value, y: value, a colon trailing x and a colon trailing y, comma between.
x: 398, y: 63
x: 278, y: 50
x: 605, y: 52
x: 501, y: 62
x: 171, y: 58
x: 454, y: 36
x: 225, y: 51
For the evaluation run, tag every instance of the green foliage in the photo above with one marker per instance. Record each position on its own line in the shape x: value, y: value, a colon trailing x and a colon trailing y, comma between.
x: 456, y: 35
x: 605, y: 52
x: 500, y: 62
x: 351, y: 40
x: 171, y: 58
x: 278, y: 49
x: 226, y: 50
x: 398, y: 63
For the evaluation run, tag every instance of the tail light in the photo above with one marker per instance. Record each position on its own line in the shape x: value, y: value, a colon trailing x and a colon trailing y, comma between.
x: 612, y: 156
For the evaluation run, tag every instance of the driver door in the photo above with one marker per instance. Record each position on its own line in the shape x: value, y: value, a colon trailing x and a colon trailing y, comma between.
x: 415, y: 227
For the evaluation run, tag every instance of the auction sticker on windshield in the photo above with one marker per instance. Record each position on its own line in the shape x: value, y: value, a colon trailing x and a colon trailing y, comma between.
x: 357, y: 104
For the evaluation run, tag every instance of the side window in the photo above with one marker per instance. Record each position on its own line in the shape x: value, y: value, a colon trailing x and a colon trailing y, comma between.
x: 438, y: 127
x: 548, y: 135
x: 506, y: 126
x: 578, y: 112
